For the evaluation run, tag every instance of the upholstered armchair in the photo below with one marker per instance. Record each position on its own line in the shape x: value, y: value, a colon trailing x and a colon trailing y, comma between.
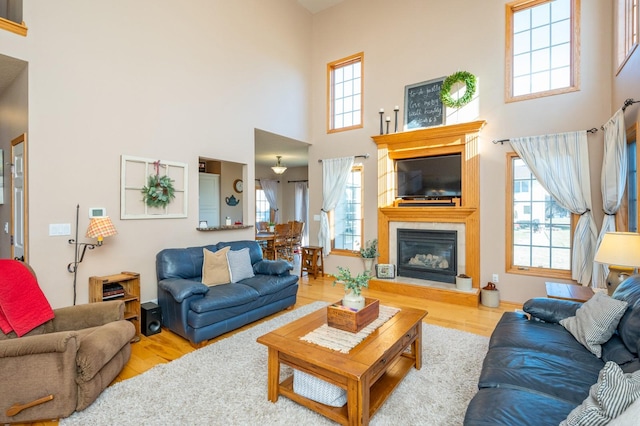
x: 64, y: 364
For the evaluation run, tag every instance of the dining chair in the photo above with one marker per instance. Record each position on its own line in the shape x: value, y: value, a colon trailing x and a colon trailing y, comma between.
x: 297, y: 228
x: 282, y: 241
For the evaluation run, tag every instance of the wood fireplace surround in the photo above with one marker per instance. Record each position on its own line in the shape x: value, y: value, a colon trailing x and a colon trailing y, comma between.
x: 458, y: 138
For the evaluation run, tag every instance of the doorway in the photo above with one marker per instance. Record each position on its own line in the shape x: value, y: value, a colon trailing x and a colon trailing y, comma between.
x: 19, y: 188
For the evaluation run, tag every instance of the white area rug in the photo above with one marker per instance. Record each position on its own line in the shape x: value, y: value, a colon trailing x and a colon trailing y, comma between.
x: 226, y: 384
x: 343, y: 341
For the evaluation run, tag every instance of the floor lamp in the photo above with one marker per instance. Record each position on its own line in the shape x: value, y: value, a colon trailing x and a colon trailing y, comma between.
x: 99, y: 227
x: 621, y: 252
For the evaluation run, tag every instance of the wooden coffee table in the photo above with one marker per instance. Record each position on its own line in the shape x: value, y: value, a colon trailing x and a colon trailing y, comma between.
x: 369, y: 372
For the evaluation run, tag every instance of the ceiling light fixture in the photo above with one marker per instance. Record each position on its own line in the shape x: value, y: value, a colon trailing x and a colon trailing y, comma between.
x: 278, y: 168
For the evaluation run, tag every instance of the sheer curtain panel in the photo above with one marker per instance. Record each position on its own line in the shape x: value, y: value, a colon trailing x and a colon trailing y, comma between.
x: 335, y: 172
x: 270, y: 188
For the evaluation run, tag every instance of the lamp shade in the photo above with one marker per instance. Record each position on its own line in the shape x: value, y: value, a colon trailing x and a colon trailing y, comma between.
x: 101, y: 227
x: 619, y: 248
x: 278, y: 168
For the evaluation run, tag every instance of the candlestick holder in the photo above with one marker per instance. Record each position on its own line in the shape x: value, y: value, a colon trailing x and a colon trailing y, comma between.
x: 388, y: 121
x: 396, y: 109
x: 381, y: 112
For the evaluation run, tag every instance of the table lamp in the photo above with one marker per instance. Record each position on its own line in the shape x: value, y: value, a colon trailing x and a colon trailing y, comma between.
x: 621, y: 251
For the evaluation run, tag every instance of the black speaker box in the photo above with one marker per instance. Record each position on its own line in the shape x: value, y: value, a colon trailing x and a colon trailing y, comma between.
x: 151, y: 319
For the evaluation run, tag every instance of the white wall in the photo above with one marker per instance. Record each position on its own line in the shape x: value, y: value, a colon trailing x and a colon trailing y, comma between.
x: 410, y: 41
x: 149, y: 79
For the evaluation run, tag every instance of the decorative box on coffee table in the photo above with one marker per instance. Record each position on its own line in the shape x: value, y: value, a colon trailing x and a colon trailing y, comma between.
x: 346, y: 319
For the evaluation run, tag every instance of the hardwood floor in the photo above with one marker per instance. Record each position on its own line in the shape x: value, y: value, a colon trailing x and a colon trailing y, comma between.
x: 166, y: 346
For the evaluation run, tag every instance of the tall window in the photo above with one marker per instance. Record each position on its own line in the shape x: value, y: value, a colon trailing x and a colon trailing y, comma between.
x: 627, y: 217
x: 540, y: 231
x: 542, y: 48
x: 344, y: 93
x: 263, y: 211
x: 346, y: 219
x: 626, y: 21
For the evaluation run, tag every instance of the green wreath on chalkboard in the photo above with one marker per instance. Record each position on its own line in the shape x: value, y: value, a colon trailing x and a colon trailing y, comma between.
x: 469, y: 81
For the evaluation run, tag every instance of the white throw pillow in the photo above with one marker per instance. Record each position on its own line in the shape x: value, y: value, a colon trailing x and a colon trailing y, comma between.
x: 612, y: 394
x: 240, y: 264
x: 595, y: 321
x: 629, y: 417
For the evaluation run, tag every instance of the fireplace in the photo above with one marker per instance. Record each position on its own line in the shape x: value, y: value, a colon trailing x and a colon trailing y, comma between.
x: 427, y: 254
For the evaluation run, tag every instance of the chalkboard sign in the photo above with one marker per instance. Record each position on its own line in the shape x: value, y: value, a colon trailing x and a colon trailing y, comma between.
x: 422, y: 104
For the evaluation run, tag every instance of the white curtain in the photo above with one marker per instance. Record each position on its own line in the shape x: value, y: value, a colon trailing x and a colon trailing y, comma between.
x: 612, y: 183
x: 301, y: 207
x: 560, y: 163
x: 335, y: 172
x: 270, y: 188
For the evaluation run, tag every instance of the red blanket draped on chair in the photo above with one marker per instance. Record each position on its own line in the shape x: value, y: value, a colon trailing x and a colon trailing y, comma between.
x: 23, y: 306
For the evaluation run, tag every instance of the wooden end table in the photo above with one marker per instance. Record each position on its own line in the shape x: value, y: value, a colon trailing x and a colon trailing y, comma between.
x: 576, y: 293
x: 368, y: 373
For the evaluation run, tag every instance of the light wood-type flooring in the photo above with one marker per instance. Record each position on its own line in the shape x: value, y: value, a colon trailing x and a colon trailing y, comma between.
x: 166, y: 346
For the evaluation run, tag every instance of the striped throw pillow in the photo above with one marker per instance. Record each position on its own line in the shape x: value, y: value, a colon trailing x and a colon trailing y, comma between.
x: 595, y: 321
x: 240, y: 264
x: 608, y: 398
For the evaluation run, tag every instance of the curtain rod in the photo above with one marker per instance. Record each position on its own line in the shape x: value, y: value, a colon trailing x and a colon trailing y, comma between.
x: 258, y: 180
x: 355, y: 156
x: 502, y: 141
x: 292, y: 181
x: 627, y: 103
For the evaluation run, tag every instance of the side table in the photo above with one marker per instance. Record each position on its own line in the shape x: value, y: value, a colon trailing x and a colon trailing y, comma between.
x: 576, y: 293
x: 130, y: 282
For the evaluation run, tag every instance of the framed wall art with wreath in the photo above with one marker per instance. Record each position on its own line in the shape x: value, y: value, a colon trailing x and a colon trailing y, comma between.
x: 152, y: 188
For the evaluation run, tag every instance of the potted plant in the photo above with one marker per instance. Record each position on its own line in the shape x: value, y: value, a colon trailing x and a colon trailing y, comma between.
x: 352, y: 287
x: 369, y: 253
x: 272, y: 227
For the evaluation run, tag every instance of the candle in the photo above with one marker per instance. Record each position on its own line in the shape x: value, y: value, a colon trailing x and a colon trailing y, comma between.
x: 388, y: 118
x: 381, y: 110
x: 396, y: 108
x: 396, y: 113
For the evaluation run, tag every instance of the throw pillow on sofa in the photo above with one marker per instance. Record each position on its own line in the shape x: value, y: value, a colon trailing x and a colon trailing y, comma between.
x: 608, y: 398
x: 240, y: 264
x: 595, y: 321
x: 215, y: 267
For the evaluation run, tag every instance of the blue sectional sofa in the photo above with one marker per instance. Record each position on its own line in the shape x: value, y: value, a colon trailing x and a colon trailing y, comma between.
x: 535, y: 372
x: 198, y: 312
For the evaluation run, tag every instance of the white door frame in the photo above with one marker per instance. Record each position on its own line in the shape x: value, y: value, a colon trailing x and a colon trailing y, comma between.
x: 19, y: 207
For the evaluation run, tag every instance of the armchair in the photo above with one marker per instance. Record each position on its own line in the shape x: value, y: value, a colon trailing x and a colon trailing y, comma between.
x: 64, y: 364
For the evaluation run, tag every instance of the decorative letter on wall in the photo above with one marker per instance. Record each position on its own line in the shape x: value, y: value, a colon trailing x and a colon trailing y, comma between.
x: 135, y: 173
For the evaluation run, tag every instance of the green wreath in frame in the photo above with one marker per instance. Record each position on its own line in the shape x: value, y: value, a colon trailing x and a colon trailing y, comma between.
x: 469, y: 81
x: 159, y: 190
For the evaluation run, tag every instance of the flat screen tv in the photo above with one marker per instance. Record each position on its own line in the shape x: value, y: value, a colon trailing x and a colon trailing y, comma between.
x: 436, y: 177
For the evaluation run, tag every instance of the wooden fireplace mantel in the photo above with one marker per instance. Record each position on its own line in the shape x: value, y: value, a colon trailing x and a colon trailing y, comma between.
x: 458, y: 138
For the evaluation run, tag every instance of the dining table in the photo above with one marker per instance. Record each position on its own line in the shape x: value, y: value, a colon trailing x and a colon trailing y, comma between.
x: 267, y: 240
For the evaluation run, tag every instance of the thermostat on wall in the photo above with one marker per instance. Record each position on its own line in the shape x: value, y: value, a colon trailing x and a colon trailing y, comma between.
x: 97, y: 212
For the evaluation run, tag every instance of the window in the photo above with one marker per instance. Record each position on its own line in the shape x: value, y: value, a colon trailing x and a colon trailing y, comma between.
x: 263, y: 211
x: 11, y: 17
x: 627, y: 216
x: 344, y: 93
x: 542, y: 48
x: 346, y: 219
x: 626, y: 22
x: 540, y: 231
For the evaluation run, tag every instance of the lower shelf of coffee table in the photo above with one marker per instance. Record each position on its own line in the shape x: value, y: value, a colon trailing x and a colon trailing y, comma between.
x: 378, y: 394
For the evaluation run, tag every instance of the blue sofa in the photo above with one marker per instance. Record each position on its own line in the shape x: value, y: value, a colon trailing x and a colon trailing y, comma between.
x: 535, y: 372
x: 199, y: 313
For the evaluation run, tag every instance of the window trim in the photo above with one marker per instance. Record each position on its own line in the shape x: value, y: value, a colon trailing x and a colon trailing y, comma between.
x: 14, y: 27
x: 517, y: 6
x: 344, y: 252
x: 331, y: 66
x: 627, y: 32
x: 509, y: 266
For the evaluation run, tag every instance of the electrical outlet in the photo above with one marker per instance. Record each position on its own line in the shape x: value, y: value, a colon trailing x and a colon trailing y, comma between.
x: 495, y: 278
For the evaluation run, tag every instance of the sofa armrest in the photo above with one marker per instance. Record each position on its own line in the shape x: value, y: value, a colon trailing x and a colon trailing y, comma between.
x: 272, y: 267
x: 550, y: 310
x: 37, y: 345
x: 97, y: 348
x: 87, y: 315
x: 181, y: 289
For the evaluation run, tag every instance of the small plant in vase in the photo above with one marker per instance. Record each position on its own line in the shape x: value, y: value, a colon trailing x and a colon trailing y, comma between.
x: 272, y: 227
x: 352, y: 286
x: 369, y: 253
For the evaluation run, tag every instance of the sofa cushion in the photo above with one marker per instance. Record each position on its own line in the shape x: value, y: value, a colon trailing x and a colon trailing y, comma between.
x: 215, y: 267
x: 608, y: 398
x: 615, y: 350
x: 270, y: 284
x: 272, y: 267
x: 629, y: 326
x: 550, y: 310
x: 223, y: 296
x: 595, y: 321
x: 240, y: 266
